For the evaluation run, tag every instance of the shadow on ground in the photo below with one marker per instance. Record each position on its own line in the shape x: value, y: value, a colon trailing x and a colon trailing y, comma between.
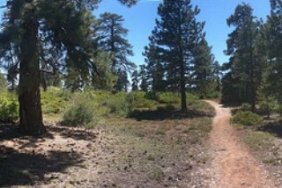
x: 273, y: 128
x: 28, y: 168
x: 165, y: 114
x: 28, y: 163
x: 69, y: 132
x: 10, y: 131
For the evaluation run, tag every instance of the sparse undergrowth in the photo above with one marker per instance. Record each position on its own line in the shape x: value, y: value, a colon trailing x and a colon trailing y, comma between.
x: 265, y: 142
x: 118, y: 152
x: 159, y: 153
x: 246, y: 118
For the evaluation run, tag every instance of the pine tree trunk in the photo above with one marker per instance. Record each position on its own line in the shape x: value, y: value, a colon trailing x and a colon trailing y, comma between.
x: 252, y: 75
x: 183, y: 88
x: 31, y: 121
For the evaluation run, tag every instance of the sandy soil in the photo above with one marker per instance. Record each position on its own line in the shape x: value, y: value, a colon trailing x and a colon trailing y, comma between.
x: 233, y: 165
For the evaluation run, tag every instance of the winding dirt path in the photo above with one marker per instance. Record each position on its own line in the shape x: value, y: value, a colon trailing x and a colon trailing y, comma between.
x: 233, y: 165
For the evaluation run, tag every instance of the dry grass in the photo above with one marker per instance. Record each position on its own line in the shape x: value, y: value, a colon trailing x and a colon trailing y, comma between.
x: 118, y: 153
x: 265, y: 142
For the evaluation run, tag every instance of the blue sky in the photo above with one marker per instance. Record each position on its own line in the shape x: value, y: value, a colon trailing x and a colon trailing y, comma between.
x: 140, y: 20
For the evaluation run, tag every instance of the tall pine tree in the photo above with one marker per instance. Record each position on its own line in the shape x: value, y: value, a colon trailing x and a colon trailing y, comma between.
x: 176, y: 33
x: 273, y: 33
x: 202, y: 72
x: 243, y: 80
x: 112, y: 40
x: 155, y: 67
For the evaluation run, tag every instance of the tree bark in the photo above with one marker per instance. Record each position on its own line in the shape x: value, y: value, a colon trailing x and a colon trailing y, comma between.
x: 183, y: 87
x: 253, y: 87
x: 31, y: 121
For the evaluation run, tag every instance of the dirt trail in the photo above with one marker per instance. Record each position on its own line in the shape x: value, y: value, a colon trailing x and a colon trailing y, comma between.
x: 233, y: 165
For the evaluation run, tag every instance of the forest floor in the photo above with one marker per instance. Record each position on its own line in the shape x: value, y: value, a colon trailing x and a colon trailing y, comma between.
x: 152, y: 149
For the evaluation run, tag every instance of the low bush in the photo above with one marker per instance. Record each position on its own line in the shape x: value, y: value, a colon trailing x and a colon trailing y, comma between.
x: 8, y: 107
x: 120, y: 104
x: 191, y: 98
x: 169, y: 98
x: 54, y: 100
x: 139, y: 101
x: 80, y: 112
x: 246, y: 118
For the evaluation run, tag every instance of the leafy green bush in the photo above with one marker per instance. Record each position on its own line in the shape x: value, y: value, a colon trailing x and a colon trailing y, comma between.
x: 169, y: 98
x: 246, y: 118
x: 120, y: 104
x: 8, y: 107
x: 191, y: 98
x: 80, y: 112
x: 54, y: 100
x: 139, y: 101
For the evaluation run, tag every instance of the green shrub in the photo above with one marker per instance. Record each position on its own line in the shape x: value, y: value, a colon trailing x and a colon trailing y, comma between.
x: 246, y: 107
x: 80, y: 112
x: 269, y: 105
x: 8, y: 107
x: 246, y: 118
x: 139, y: 101
x: 120, y: 104
x: 169, y: 98
x: 152, y: 96
x: 191, y: 98
x: 54, y: 100
x: 265, y: 108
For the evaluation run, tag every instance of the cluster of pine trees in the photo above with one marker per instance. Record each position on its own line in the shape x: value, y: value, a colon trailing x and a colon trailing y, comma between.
x: 45, y: 43
x: 254, y: 70
x: 61, y: 42
x: 178, y: 57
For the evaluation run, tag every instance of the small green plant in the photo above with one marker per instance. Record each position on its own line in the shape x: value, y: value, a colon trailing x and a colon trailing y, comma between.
x: 8, y: 107
x: 246, y: 118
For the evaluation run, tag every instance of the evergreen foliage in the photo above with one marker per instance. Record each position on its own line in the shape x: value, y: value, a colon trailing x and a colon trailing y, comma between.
x: 243, y: 79
x: 112, y: 40
x: 169, y: 54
